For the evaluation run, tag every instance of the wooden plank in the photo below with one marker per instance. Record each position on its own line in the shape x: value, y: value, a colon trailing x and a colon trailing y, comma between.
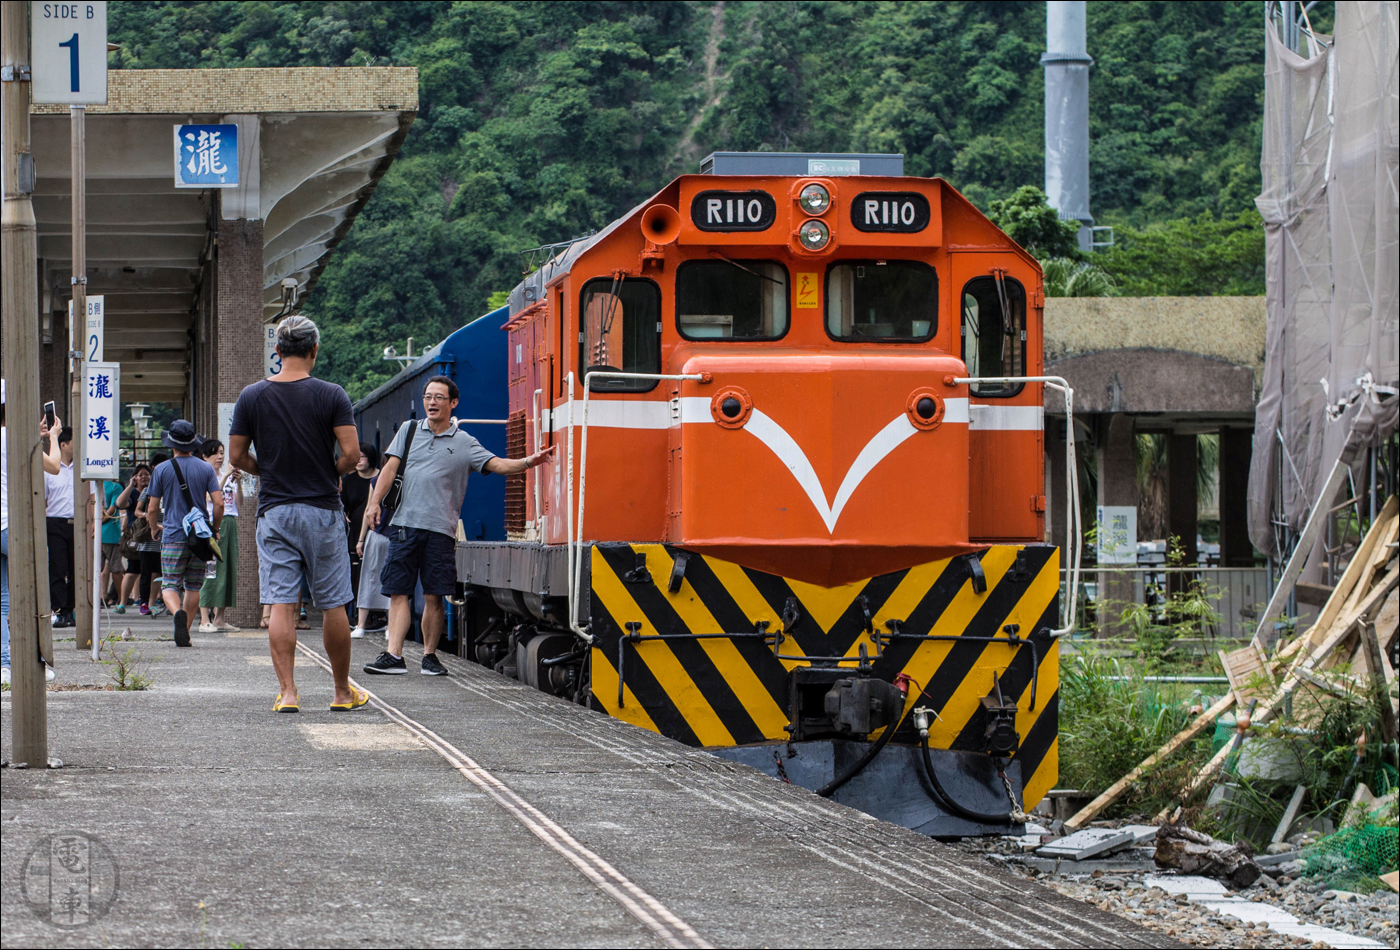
x: 1359, y: 562
x: 1342, y: 592
x: 1375, y: 562
x: 1240, y: 667
x: 1340, y: 631
x: 1114, y: 791
x: 1371, y: 644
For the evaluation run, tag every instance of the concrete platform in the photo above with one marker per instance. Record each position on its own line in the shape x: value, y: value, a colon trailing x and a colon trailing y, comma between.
x: 467, y: 810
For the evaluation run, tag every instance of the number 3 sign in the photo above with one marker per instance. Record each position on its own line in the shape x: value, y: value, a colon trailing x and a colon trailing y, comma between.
x: 70, y: 52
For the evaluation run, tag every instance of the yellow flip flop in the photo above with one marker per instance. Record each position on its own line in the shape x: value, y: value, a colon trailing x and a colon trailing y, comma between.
x: 358, y: 698
x: 280, y: 707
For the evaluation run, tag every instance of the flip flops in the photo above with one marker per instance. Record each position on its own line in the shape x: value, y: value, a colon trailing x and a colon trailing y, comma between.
x: 358, y: 698
x: 288, y: 707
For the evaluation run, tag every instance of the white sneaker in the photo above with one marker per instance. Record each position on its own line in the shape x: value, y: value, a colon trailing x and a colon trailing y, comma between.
x: 357, y: 634
x: 4, y: 676
x: 208, y: 628
x: 48, y: 674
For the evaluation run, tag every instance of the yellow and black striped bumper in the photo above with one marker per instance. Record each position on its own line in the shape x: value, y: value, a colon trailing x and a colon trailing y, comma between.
x: 714, y: 691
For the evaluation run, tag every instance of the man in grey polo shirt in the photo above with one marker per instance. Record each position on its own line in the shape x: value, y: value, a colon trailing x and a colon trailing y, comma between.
x: 423, y: 529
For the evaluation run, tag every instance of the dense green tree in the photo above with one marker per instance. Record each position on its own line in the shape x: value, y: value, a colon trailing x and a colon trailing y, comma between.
x: 540, y: 121
x: 1033, y: 224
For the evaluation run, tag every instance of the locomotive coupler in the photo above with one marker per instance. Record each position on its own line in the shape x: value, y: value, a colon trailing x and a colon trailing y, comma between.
x: 1000, y: 737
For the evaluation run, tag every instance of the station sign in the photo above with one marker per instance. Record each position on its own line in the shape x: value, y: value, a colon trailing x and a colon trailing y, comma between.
x: 69, y: 51
x: 272, y: 360
x: 206, y: 156
x: 95, y: 326
x: 1117, y: 534
x: 728, y: 211
x: 900, y: 212
x: 101, y: 421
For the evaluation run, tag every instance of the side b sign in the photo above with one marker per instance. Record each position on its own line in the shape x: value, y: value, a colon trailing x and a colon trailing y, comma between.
x: 733, y: 210
x: 902, y: 212
x: 69, y: 52
x: 206, y: 156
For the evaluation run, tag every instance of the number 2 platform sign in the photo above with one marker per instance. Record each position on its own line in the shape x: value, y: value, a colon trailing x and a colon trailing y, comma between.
x: 70, y: 52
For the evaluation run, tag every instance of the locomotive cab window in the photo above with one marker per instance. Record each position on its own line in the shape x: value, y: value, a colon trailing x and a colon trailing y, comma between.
x: 621, y: 332
x: 724, y: 299
x: 994, y: 333
x: 882, y: 300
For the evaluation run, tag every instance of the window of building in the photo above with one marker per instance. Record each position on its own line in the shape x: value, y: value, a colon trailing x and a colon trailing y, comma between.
x: 882, y: 300
x: 994, y: 333
x: 621, y: 332
x: 731, y: 299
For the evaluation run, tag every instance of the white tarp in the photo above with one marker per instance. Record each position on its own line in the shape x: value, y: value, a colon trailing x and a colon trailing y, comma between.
x: 1331, y: 216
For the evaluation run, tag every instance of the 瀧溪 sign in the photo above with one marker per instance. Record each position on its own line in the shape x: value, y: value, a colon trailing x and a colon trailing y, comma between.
x: 69, y: 52
x: 95, y: 329
x: 272, y: 362
x: 206, y: 156
x: 101, y: 421
x: 1117, y: 534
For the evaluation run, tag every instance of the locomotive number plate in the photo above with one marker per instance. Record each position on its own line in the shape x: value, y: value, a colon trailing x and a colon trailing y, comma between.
x: 736, y: 211
x: 904, y: 212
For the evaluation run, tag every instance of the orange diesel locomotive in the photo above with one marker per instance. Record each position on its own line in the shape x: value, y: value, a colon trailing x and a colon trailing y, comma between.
x: 795, y: 511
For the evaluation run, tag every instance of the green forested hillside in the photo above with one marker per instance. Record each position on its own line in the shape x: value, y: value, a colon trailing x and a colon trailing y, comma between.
x: 539, y: 121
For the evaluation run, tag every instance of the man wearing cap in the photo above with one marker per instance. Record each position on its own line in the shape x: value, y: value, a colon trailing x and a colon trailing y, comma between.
x: 183, y: 571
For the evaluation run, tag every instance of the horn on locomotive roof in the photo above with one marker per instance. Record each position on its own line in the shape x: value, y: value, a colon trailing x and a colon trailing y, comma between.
x: 661, y: 224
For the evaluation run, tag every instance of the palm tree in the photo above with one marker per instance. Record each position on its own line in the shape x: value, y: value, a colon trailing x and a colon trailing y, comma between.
x: 1069, y: 278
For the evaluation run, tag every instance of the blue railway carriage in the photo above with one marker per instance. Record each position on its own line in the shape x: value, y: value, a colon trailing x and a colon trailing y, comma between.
x: 475, y: 358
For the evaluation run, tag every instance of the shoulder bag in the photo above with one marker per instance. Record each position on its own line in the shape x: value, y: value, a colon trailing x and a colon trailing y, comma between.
x: 394, y: 496
x: 199, y: 536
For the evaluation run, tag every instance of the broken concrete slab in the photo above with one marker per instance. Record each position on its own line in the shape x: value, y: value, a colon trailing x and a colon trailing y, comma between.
x: 1213, y: 894
x: 1089, y: 843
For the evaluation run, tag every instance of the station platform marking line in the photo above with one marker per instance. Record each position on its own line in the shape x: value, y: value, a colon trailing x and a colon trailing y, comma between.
x: 673, y: 931
x: 851, y: 840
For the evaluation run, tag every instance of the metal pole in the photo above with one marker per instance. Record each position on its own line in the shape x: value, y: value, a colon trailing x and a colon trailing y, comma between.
x: 30, y: 635
x: 83, y: 605
x: 98, y: 511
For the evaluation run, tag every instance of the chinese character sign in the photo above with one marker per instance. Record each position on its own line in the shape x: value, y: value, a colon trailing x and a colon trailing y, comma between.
x: 1117, y: 534
x: 206, y: 156
x: 101, y: 422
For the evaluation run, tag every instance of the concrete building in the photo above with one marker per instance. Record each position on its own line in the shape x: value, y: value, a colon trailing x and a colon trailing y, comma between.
x: 1172, y: 366
x: 190, y: 277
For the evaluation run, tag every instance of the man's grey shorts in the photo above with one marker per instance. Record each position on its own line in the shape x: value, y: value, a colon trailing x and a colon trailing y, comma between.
x: 302, y: 541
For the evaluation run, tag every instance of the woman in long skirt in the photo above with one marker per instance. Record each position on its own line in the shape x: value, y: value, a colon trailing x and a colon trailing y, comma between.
x: 220, y: 589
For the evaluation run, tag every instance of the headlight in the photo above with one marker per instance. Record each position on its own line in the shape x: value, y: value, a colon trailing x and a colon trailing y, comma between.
x: 813, y: 235
x: 814, y: 199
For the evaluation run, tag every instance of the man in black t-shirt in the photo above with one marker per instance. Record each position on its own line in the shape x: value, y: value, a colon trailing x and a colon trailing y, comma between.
x: 295, y: 422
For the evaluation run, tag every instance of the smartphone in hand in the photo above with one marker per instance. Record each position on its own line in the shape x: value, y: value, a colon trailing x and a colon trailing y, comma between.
x: 49, y: 414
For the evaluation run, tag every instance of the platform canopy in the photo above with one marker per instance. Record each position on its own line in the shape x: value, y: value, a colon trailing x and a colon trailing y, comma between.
x: 312, y: 145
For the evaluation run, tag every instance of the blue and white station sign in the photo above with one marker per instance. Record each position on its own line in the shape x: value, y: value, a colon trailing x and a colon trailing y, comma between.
x: 206, y: 156
x: 101, y: 422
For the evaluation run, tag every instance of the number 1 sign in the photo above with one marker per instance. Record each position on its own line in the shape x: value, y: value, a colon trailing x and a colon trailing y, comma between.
x: 70, y: 52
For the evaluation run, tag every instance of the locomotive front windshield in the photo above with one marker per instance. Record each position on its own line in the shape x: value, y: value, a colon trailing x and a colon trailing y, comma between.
x: 882, y: 300
x: 725, y: 299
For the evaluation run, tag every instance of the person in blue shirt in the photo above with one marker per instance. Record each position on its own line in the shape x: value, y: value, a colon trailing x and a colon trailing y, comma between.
x: 180, y: 567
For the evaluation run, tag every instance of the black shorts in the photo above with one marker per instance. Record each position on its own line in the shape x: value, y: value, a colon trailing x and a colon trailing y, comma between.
x: 414, y: 554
